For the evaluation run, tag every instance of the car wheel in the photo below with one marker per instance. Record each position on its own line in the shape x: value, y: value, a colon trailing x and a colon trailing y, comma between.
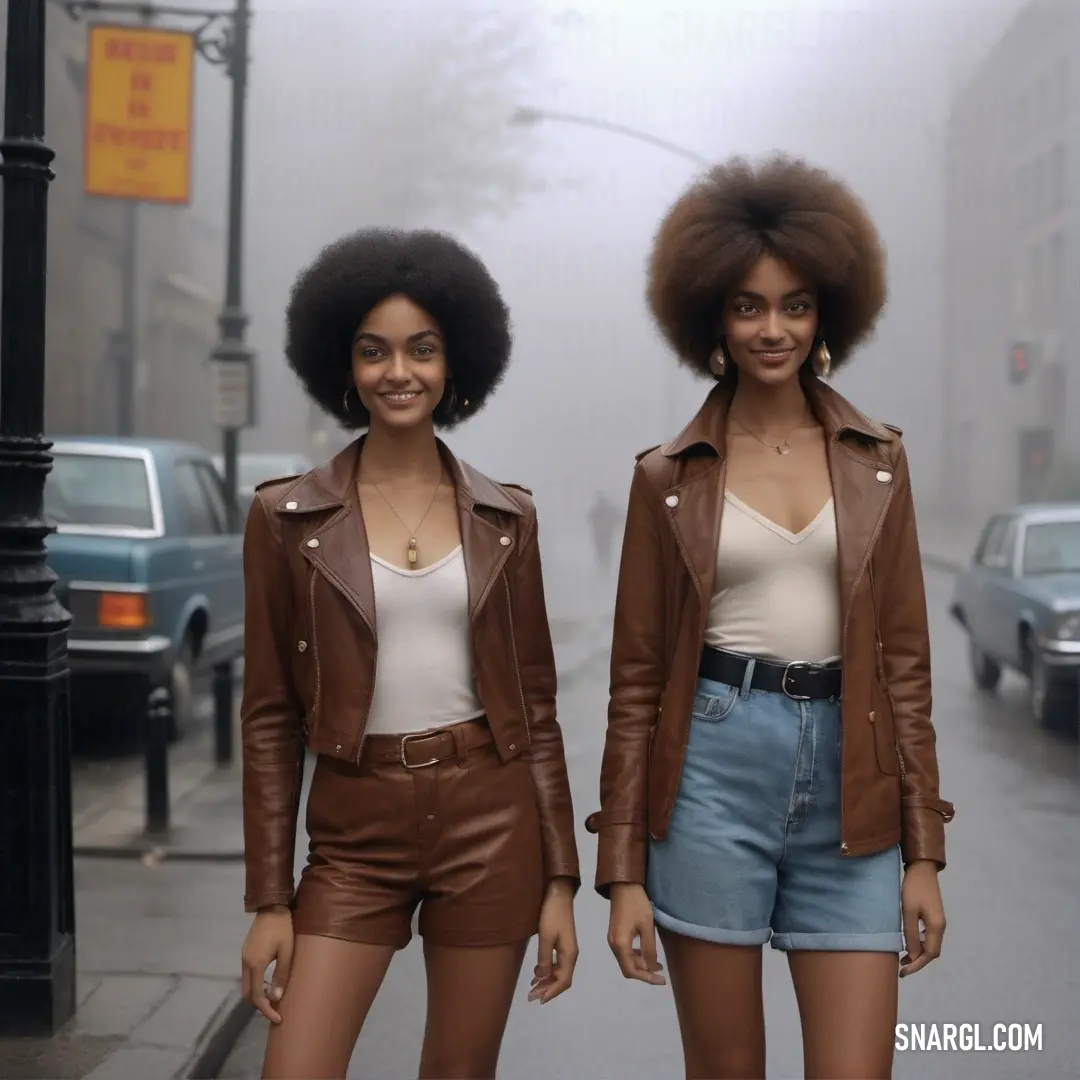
x: 1050, y: 697
x: 985, y: 672
x: 182, y: 691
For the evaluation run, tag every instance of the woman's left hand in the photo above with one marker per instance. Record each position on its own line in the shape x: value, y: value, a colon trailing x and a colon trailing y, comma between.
x: 558, y: 950
x: 920, y: 901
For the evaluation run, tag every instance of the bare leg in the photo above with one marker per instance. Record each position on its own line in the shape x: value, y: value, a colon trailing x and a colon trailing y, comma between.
x: 470, y: 991
x: 848, y: 1004
x: 331, y: 988
x: 717, y: 992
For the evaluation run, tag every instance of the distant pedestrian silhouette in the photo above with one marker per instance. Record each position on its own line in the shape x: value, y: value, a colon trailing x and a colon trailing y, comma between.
x: 603, y: 520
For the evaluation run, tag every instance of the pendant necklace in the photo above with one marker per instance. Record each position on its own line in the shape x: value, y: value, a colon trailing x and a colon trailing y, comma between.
x: 413, y: 553
x: 782, y: 448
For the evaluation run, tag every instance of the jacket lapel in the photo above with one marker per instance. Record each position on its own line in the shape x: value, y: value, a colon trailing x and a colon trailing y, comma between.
x: 337, y: 547
x: 693, y: 509
x: 694, y: 504
x: 862, y: 483
x: 485, y: 545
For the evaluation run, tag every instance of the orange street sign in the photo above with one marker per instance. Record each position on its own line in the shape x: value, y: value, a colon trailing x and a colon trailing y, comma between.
x: 139, y: 103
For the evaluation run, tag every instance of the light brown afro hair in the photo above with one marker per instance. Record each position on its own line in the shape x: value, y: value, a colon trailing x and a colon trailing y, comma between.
x: 722, y: 225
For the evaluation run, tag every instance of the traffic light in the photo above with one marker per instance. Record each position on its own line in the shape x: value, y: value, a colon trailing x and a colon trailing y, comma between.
x: 1020, y: 361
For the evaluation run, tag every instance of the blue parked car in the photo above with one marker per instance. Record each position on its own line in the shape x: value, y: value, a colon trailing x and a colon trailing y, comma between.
x: 149, y: 570
x: 1019, y: 602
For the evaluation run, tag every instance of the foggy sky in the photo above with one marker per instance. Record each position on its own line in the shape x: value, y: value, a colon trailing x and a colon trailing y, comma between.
x: 861, y: 88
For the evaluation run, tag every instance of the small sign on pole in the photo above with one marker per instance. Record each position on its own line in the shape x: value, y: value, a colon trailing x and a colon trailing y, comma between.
x: 233, y: 393
x: 139, y: 103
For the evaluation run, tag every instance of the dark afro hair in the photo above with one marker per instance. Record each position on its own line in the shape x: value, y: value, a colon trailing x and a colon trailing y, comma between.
x: 333, y: 296
x: 717, y: 231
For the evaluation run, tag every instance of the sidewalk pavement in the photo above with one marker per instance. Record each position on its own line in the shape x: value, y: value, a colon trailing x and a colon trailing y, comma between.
x: 160, y: 921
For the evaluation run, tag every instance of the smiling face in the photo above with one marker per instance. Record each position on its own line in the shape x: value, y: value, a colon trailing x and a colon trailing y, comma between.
x: 769, y: 322
x: 399, y: 363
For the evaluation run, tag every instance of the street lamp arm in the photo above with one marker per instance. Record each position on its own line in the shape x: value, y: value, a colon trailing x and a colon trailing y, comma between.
x: 527, y: 115
x: 214, y: 35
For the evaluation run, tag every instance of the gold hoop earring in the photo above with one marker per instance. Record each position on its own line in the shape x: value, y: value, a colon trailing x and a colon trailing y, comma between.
x: 822, y: 361
x: 718, y: 362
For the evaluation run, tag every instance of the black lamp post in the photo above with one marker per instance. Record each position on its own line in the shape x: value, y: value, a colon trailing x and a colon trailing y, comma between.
x: 37, y: 910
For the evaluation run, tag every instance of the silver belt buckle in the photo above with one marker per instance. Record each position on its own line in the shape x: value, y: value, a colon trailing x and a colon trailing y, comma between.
x: 802, y: 664
x: 406, y: 739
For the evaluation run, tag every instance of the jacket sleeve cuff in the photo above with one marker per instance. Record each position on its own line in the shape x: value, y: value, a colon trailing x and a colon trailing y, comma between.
x: 569, y: 872
x: 621, y: 857
x: 924, y: 819
x: 255, y: 902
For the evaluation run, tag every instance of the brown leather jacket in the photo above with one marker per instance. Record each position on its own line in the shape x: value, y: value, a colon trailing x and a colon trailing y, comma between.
x: 890, y: 771
x: 310, y: 645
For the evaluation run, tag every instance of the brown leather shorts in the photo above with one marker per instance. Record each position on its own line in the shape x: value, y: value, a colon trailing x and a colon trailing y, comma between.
x: 436, y: 820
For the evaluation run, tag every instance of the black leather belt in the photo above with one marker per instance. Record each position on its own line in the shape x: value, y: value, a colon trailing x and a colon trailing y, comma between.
x: 799, y: 681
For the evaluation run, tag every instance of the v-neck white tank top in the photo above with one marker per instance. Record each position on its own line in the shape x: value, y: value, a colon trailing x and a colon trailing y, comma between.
x: 777, y: 595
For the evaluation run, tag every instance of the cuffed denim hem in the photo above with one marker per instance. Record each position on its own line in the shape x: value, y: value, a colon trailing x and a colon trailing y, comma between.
x: 887, y: 943
x: 710, y: 933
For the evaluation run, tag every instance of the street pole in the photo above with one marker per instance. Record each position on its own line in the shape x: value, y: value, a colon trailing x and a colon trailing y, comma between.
x: 37, y: 909
x: 231, y: 347
x: 126, y: 341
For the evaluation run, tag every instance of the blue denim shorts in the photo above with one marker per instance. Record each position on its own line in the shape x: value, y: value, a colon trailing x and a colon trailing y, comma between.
x: 752, y: 853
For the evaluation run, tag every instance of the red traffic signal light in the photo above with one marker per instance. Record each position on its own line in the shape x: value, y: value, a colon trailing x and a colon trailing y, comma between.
x: 1019, y: 362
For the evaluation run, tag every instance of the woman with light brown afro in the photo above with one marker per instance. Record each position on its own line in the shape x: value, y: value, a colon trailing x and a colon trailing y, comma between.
x: 770, y: 771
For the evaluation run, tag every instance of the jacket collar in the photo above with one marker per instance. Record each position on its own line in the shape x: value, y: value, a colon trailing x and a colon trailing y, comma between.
x: 835, y: 413
x: 332, y: 485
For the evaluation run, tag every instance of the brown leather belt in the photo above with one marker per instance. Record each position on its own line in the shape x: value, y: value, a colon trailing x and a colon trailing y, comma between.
x: 419, y: 749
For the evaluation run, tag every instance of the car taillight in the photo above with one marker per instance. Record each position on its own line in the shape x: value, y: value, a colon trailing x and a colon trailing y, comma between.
x: 122, y: 611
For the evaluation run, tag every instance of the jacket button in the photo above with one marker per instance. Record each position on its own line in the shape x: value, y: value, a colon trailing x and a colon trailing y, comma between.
x: 513, y: 746
x: 302, y: 646
x: 672, y: 500
x: 290, y: 506
x: 872, y: 717
x: 883, y: 476
x: 313, y: 543
x: 338, y: 748
x: 505, y: 541
x: 843, y: 847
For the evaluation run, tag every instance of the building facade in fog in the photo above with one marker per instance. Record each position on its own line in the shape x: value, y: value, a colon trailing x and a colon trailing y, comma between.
x: 176, y: 297
x: 1012, y: 268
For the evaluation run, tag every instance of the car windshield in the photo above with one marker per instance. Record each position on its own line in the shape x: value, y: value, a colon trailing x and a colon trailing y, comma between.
x: 1052, y: 547
x: 98, y: 490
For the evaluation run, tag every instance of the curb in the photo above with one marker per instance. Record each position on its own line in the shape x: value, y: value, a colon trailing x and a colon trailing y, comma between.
x: 218, y: 1039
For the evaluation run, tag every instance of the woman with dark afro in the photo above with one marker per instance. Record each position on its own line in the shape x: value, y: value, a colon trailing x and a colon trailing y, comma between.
x: 396, y: 628
x: 770, y: 771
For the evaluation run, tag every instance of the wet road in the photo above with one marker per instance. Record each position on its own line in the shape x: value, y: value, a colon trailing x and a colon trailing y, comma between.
x: 1012, y: 896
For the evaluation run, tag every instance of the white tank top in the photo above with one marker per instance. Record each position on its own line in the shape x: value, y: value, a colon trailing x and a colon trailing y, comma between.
x: 777, y: 595
x: 424, y: 671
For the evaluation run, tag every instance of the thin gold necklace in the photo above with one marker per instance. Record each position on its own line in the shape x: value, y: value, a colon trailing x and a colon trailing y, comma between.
x: 782, y: 447
x: 413, y: 553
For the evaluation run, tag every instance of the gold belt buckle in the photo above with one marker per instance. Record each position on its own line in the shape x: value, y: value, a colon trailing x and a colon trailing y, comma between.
x: 406, y: 739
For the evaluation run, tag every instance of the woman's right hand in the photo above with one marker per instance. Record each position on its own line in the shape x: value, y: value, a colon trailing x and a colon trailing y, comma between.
x: 632, y: 919
x: 269, y: 941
